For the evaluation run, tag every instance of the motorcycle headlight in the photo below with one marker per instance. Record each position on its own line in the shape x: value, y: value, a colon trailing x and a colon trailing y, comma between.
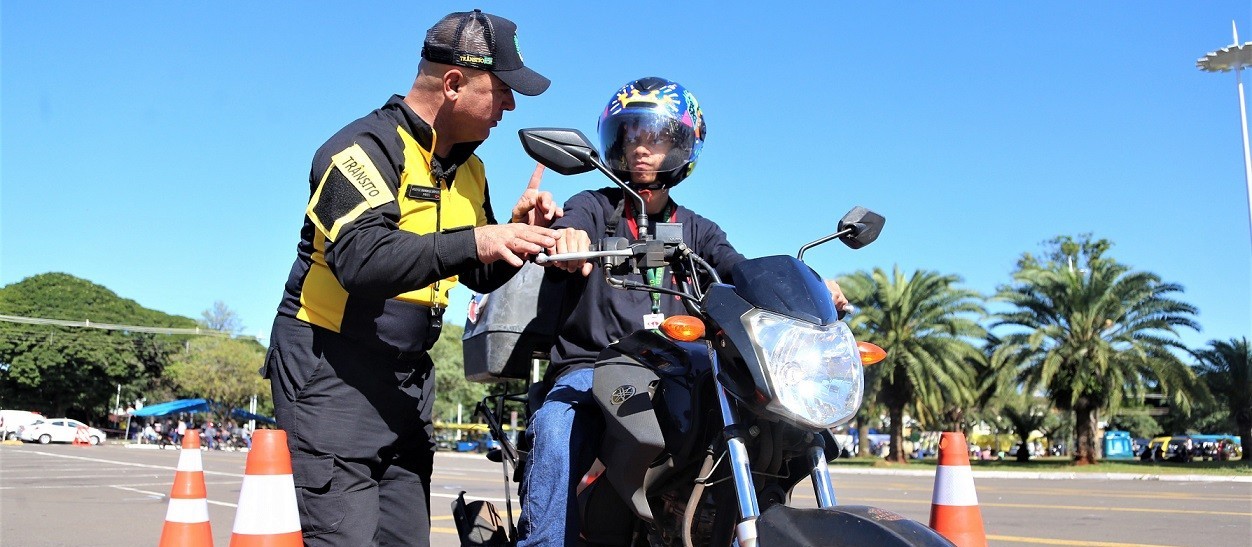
x: 814, y: 371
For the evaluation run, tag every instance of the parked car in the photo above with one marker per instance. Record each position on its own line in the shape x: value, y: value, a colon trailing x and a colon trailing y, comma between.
x: 13, y: 420
x: 59, y: 430
x: 483, y: 444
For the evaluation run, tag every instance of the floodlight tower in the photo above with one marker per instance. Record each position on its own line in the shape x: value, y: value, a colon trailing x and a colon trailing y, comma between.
x: 1235, y: 57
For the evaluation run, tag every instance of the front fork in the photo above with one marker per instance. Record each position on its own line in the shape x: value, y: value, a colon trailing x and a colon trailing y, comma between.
x: 741, y: 466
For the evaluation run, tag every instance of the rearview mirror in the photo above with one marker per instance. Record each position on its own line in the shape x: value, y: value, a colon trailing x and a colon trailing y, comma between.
x: 864, y: 224
x: 565, y: 151
x: 568, y: 152
x: 858, y: 228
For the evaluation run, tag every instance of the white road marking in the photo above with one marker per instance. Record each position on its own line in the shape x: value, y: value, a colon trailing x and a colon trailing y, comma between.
x: 130, y: 464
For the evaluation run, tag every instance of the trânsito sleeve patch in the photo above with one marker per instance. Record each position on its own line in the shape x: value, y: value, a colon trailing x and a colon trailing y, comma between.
x: 351, y: 186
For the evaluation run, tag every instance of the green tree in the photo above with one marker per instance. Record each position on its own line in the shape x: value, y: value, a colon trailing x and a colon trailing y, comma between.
x: 1226, y: 368
x: 1028, y: 414
x: 1092, y: 333
x: 1136, y: 421
x: 64, y: 370
x: 927, y: 326
x: 223, y: 370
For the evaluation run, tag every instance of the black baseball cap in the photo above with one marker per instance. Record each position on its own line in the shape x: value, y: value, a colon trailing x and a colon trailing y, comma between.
x: 486, y: 42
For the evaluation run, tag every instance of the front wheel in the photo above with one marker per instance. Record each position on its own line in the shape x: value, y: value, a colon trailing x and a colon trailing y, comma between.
x: 45, y: 438
x: 95, y: 440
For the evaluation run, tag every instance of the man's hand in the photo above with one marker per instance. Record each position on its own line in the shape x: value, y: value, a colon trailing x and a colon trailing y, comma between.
x: 836, y: 295
x: 512, y: 243
x: 572, y: 240
x: 534, y: 207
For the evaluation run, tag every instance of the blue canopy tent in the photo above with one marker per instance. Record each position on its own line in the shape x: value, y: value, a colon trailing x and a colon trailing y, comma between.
x: 245, y: 415
x: 173, y: 407
x: 180, y: 406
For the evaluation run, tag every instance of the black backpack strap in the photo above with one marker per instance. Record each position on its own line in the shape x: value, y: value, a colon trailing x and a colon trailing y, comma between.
x: 610, y: 227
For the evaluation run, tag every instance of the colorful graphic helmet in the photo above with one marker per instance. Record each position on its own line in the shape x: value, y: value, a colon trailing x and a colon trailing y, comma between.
x: 650, y: 108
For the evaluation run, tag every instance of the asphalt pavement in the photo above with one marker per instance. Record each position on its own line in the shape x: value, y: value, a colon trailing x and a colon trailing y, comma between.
x: 52, y: 495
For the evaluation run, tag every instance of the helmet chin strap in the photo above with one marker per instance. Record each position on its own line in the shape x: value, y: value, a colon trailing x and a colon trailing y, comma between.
x: 669, y: 179
x: 665, y: 179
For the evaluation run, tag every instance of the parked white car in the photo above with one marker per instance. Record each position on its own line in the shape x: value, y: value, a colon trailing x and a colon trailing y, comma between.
x: 59, y: 430
x: 13, y: 420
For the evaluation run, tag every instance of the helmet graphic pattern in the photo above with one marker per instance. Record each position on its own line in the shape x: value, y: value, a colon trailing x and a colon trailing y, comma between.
x: 659, y: 102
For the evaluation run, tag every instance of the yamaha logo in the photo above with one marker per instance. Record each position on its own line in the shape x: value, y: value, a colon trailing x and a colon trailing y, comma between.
x: 621, y: 394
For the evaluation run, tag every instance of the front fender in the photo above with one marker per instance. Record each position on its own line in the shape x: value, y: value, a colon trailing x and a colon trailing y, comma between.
x: 842, y: 525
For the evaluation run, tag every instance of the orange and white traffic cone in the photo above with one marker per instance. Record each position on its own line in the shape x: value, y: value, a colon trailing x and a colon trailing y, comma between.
x: 267, y: 515
x: 80, y: 436
x: 954, y: 511
x: 187, y: 519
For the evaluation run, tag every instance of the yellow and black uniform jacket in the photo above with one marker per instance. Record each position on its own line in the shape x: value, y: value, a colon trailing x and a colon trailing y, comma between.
x: 386, y: 233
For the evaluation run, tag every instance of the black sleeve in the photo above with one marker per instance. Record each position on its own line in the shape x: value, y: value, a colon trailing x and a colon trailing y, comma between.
x: 378, y: 261
x: 583, y: 211
x: 714, y: 247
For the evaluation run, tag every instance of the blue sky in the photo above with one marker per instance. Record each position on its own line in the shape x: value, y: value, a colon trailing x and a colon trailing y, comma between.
x: 162, y: 149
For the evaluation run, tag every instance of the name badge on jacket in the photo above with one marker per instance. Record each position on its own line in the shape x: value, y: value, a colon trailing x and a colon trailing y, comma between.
x: 423, y: 193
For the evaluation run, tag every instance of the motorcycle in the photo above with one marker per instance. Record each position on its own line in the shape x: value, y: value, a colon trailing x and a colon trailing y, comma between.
x: 712, y: 419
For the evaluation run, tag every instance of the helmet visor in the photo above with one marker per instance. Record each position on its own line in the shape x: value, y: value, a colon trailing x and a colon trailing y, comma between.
x: 646, y: 141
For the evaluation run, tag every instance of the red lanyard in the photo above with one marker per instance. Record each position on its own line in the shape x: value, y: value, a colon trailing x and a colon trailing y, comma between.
x: 634, y: 225
x: 654, y: 276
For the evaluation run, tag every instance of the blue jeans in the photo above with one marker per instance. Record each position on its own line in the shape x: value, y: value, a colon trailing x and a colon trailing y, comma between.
x: 564, y: 439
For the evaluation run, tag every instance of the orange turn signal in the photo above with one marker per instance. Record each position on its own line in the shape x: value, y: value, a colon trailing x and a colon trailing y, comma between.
x: 870, y: 353
x: 683, y: 327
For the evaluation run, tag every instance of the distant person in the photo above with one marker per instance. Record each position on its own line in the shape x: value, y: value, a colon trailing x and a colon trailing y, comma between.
x: 210, y: 436
x: 398, y: 213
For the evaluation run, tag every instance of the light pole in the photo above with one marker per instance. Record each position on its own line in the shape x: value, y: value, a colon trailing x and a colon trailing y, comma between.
x: 1235, y: 57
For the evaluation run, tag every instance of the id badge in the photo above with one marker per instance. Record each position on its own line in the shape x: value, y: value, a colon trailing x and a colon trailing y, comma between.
x: 653, y: 320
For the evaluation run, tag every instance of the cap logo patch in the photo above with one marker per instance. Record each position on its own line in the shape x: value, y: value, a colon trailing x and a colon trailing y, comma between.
x: 475, y: 59
x: 518, y: 46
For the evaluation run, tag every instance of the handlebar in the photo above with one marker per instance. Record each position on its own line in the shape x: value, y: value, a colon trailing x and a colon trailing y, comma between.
x: 543, y: 258
x: 621, y: 255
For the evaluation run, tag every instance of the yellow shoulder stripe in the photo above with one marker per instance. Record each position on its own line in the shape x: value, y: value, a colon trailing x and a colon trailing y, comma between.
x: 360, y: 171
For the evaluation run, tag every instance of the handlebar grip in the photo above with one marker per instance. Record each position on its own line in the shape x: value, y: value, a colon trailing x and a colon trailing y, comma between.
x: 543, y: 258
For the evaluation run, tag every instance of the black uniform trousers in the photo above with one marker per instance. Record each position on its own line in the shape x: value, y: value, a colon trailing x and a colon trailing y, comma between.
x: 361, y: 439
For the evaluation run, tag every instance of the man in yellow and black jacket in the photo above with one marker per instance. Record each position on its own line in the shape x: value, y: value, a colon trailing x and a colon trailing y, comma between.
x: 398, y: 214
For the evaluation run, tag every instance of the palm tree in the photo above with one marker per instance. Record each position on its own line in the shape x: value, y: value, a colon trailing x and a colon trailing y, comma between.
x: 1090, y: 333
x: 1027, y: 416
x: 1226, y: 368
x: 926, y: 325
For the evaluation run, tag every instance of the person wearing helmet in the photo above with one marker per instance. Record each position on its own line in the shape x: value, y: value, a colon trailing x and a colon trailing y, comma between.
x: 651, y: 134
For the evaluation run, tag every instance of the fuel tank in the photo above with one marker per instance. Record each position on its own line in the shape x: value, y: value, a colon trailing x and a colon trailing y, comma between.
x: 650, y: 389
